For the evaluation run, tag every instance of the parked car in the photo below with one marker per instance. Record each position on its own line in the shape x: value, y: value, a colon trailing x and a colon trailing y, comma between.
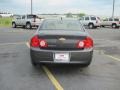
x: 27, y: 21
x: 113, y: 22
x: 90, y: 21
x: 61, y: 41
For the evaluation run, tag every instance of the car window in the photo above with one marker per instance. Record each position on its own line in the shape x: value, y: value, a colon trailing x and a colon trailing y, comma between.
x: 31, y: 16
x: 93, y: 18
x: 23, y: 17
x: 61, y: 25
x: 18, y: 17
x: 110, y: 19
x: 86, y: 18
x: 116, y: 19
x: 105, y: 19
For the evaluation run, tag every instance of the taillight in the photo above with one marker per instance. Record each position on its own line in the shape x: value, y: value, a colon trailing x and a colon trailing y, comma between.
x: 36, y: 42
x: 43, y: 43
x: 34, y: 20
x: 80, y: 44
x: 96, y: 21
x: 86, y: 43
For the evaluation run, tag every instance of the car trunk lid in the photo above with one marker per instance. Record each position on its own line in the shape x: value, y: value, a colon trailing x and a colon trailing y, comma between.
x: 61, y: 40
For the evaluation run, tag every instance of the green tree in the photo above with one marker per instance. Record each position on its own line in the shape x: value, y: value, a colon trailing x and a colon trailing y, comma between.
x: 81, y: 14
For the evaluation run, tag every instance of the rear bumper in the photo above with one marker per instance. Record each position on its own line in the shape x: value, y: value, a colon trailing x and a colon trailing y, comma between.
x: 35, y: 24
x: 97, y: 25
x: 47, y: 56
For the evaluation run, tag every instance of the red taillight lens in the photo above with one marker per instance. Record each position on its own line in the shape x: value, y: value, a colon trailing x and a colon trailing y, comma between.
x: 34, y: 41
x: 86, y: 43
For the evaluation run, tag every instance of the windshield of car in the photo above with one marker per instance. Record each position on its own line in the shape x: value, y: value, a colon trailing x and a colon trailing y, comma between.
x: 61, y: 25
x: 31, y: 16
x: 116, y: 19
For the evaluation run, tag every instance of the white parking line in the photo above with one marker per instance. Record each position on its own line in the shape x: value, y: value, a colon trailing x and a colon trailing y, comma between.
x: 117, y: 59
x: 110, y: 56
x: 110, y: 41
x: 16, y: 43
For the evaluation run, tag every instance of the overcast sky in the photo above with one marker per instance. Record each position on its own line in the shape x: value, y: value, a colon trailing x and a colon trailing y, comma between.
x: 92, y: 7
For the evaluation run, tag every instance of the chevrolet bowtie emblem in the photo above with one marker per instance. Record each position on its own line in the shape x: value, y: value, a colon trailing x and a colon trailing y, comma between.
x: 62, y: 39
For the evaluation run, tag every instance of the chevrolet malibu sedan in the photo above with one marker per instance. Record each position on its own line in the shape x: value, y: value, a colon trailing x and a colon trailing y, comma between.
x: 60, y: 41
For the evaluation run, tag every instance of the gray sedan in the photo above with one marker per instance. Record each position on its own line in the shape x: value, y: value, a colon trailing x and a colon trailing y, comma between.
x: 61, y: 41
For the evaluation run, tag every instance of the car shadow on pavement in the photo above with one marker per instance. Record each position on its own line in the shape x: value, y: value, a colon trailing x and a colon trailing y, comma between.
x: 66, y: 69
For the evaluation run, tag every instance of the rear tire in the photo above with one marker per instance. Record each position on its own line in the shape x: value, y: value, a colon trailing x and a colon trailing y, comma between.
x: 13, y: 25
x: 91, y: 26
x: 114, y: 26
x: 28, y: 26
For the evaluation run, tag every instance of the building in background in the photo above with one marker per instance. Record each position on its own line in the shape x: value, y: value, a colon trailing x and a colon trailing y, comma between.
x: 5, y: 14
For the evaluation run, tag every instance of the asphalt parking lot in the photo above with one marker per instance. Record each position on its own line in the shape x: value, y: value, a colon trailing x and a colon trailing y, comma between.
x: 17, y: 73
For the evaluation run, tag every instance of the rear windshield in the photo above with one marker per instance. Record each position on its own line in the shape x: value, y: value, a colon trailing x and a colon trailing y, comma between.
x: 31, y: 16
x: 61, y: 25
x: 116, y: 19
